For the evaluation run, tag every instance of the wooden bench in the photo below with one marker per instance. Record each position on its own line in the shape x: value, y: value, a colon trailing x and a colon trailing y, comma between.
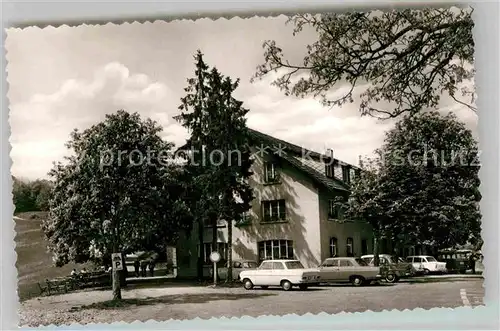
x: 44, y: 288
x: 73, y: 283
x: 57, y: 286
x: 95, y: 279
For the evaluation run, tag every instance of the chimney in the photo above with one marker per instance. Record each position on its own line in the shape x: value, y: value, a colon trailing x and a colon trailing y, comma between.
x: 329, y: 152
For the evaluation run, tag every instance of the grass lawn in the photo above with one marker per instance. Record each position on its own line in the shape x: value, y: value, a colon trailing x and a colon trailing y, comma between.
x: 34, y: 263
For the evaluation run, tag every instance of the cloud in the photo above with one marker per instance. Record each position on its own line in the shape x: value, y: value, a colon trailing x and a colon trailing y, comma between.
x: 41, y: 126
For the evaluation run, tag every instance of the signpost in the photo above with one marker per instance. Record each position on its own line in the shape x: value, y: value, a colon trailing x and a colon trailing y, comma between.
x: 116, y: 259
x: 215, y: 257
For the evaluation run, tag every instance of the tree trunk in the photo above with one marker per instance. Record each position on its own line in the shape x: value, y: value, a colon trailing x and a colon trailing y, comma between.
x: 376, y: 260
x: 229, y: 251
x: 201, y: 254
x: 124, y: 272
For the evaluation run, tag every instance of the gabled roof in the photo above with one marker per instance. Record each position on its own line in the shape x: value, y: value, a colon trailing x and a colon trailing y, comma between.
x: 293, y: 154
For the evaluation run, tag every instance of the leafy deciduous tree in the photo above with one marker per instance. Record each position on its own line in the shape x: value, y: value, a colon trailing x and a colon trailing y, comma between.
x: 118, y: 193
x: 407, y: 58
x: 31, y: 196
x: 430, y: 173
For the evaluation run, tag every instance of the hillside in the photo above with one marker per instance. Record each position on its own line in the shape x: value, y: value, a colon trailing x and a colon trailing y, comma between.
x: 34, y: 263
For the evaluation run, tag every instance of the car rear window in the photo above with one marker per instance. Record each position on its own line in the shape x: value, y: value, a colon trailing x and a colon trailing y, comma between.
x: 294, y: 265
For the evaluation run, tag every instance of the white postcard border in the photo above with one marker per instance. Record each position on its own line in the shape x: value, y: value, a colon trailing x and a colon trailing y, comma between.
x: 486, y: 32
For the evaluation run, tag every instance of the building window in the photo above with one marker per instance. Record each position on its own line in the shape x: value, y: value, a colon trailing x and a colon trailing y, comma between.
x: 207, y: 250
x: 273, y: 211
x: 346, y: 174
x: 333, y: 247
x: 329, y: 170
x: 270, y: 172
x: 349, y: 248
x: 364, y: 246
x: 335, y: 210
x: 275, y: 249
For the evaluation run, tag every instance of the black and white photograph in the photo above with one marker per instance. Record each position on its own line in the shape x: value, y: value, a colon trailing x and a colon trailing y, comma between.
x: 267, y: 165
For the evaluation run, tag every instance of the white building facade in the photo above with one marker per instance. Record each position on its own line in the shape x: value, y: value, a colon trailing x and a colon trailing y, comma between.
x: 293, y: 215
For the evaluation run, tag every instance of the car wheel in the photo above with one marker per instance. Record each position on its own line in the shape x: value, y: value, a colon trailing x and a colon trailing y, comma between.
x: 357, y: 280
x: 265, y: 287
x: 286, y: 285
x: 303, y: 287
x: 247, y: 284
x: 391, y: 278
x: 426, y: 271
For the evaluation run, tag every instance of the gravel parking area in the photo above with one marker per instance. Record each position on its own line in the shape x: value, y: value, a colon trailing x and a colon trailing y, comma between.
x: 164, y: 303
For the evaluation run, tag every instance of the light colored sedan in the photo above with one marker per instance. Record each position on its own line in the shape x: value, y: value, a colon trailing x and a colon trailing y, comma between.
x: 427, y: 264
x: 348, y: 270
x: 283, y: 273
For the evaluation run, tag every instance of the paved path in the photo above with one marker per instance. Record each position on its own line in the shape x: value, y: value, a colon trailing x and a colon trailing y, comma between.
x: 164, y: 303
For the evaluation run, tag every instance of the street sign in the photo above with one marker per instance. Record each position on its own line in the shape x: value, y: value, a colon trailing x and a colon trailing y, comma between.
x: 215, y: 257
x: 116, y: 259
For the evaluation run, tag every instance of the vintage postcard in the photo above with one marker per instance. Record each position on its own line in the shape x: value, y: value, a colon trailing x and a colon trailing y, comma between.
x: 323, y: 162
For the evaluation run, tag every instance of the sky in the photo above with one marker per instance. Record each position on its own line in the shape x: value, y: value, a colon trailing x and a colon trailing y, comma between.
x: 70, y: 77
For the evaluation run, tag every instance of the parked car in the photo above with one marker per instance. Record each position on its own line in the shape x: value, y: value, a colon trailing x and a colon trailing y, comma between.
x: 426, y: 264
x: 238, y: 267
x: 348, y: 269
x: 456, y: 260
x: 391, y: 268
x: 284, y: 273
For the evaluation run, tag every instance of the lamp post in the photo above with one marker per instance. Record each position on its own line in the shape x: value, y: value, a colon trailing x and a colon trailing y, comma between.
x: 215, y: 257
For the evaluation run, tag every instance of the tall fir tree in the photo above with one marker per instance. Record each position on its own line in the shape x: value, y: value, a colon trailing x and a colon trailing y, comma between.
x: 219, y: 137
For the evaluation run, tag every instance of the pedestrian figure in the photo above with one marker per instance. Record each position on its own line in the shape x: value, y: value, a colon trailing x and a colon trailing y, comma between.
x: 152, y: 267
x: 472, y: 261
x: 136, y: 267
x: 144, y: 265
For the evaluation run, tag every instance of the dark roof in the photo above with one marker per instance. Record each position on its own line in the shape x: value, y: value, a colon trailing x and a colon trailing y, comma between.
x: 275, y: 142
x: 331, y: 184
x: 292, y: 153
x: 294, y: 149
